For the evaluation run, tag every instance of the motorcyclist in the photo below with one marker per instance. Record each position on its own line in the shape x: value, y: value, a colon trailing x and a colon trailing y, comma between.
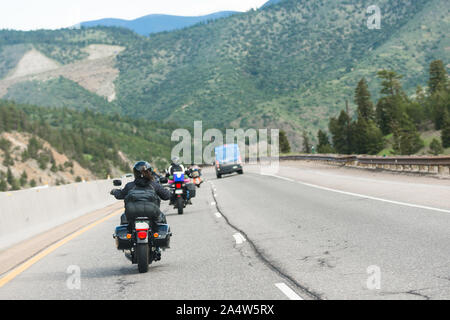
x: 144, y: 178
x: 175, y: 166
x: 193, y: 168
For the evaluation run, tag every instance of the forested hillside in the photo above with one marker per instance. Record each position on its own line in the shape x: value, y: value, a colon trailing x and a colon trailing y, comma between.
x: 396, y: 123
x: 290, y: 65
x: 103, y: 145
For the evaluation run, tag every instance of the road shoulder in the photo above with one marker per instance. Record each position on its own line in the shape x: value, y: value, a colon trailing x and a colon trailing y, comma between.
x: 21, y: 252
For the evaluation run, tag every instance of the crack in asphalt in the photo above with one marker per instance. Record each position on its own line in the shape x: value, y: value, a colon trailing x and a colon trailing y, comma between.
x: 411, y: 292
x: 265, y: 260
x: 124, y: 284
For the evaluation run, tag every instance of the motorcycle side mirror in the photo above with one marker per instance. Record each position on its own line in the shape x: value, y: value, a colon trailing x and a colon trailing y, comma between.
x: 117, y: 183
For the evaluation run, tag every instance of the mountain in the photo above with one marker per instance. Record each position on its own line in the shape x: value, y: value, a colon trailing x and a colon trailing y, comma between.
x: 286, y: 66
x: 154, y: 23
x: 291, y: 65
x: 270, y: 2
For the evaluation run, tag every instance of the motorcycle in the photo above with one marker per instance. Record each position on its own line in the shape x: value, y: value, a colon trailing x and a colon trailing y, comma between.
x: 196, y: 174
x: 142, y: 241
x: 182, y: 191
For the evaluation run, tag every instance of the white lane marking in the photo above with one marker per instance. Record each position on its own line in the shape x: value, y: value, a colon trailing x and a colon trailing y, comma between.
x: 288, y: 291
x: 279, y: 177
x: 363, y: 196
x: 239, y: 238
x: 218, y: 215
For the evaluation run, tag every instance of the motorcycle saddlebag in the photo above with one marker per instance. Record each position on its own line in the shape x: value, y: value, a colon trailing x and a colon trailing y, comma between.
x: 190, y: 187
x: 122, y: 243
x: 163, y: 241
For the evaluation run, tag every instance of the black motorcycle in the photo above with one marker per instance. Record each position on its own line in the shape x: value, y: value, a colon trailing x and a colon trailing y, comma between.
x: 142, y: 240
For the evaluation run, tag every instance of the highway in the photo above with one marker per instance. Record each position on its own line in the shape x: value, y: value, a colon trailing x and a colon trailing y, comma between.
x: 263, y: 237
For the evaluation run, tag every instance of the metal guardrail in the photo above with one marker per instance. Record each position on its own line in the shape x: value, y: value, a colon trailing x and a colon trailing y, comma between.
x: 398, y: 163
x: 423, y: 161
x: 333, y: 158
x: 438, y: 164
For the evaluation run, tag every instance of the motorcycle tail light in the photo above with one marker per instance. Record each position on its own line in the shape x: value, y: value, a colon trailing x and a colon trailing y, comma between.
x: 178, y: 186
x: 142, y: 235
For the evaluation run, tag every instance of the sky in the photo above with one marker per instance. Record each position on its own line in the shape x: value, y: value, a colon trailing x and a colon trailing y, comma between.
x: 54, y: 14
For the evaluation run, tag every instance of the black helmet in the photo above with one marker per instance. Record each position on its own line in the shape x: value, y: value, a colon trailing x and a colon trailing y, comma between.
x: 176, y: 161
x: 142, y: 169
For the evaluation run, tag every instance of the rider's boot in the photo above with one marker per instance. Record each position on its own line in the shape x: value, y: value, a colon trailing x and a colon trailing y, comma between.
x: 157, y: 254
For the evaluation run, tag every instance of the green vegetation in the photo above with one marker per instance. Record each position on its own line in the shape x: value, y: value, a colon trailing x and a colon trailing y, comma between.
x: 59, y: 93
x: 397, y: 116
x: 285, y: 63
x: 436, y: 147
x: 285, y: 147
x: 306, y: 143
x: 64, y: 45
x: 446, y: 128
x: 324, y: 145
x: 291, y: 65
x: 91, y: 139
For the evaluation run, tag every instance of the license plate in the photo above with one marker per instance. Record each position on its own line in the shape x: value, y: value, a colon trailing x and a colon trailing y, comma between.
x: 142, y: 226
x: 178, y: 191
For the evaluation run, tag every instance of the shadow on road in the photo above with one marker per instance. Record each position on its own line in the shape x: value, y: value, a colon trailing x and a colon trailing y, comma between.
x: 132, y: 270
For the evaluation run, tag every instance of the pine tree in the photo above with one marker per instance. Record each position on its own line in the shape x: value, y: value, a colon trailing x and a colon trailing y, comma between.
x: 362, y: 100
x: 324, y: 146
x: 13, y: 182
x: 23, y: 179
x: 438, y: 76
x: 445, y: 134
x: 368, y: 138
x: 9, y: 176
x: 285, y: 147
x: 3, y: 185
x: 391, y: 85
x: 407, y: 140
x: 388, y: 110
x: 306, y: 143
x: 33, y: 183
x: 342, y: 133
x: 436, y: 147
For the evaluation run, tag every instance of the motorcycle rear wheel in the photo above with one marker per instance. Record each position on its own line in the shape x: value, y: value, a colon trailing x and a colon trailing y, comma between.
x: 143, y: 253
x: 180, y: 205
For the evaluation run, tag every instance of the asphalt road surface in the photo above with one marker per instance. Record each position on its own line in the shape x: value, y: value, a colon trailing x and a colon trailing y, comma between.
x: 263, y: 237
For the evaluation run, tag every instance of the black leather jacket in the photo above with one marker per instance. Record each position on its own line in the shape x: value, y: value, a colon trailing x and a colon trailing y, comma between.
x: 163, y: 193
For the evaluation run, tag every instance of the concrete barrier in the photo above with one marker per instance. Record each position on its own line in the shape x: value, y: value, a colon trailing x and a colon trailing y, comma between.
x: 27, y: 213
